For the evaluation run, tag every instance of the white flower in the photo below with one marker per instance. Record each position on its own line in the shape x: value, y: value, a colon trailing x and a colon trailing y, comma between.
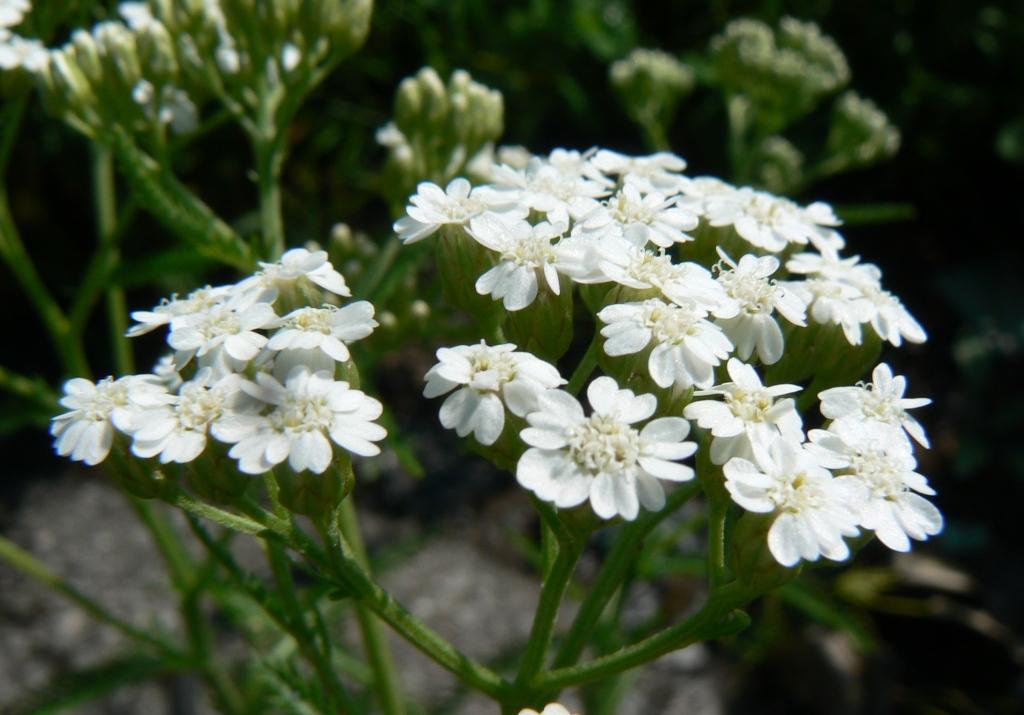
x: 830, y: 302
x: 882, y: 460
x: 176, y: 430
x: 748, y: 283
x: 488, y: 378
x: 658, y: 172
x: 29, y: 54
x: 635, y: 267
x: 879, y: 401
x: 749, y: 418
x: 430, y: 208
x: 814, y: 509
x: 221, y: 330
x: 198, y: 301
x: 328, y: 329
x: 603, y: 457
x: 890, y: 319
x: 651, y: 218
x: 687, y: 347
x: 560, y: 193
x: 524, y: 251
x: 167, y: 373
x: 298, y: 267
x: 307, y: 409
x: 137, y: 15
x: 12, y: 12
x: 698, y: 192
x: 86, y: 432
x: 770, y: 222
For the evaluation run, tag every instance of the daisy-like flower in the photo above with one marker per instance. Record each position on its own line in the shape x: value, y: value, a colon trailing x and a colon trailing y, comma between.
x: 12, y: 12
x: 486, y: 380
x: 659, y: 172
x: 524, y: 252
x: 813, y: 509
x: 700, y: 191
x: 176, y: 430
x: 198, y: 301
x: 307, y: 409
x: 894, y: 509
x: 687, y: 347
x: 220, y: 332
x: 831, y: 302
x: 768, y: 221
x: 430, y: 208
x: 299, y: 268
x: 86, y: 431
x: 750, y: 416
x: 642, y: 219
x: 749, y: 283
x: 27, y: 53
x: 559, y: 194
x: 604, y: 457
x: 879, y: 401
x: 635, y: 267
x: 327, y: 329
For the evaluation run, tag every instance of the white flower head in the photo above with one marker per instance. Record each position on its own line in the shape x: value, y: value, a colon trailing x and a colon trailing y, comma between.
x: 12, y: 12
x: 327, y: 329
x: 86, y: 431
x: 525, y: 255
x: 750, y: 416
x: 831, y: 302
x: 767, y: 221
x: 432, y: 207
x: 198, y: 301
x: 27, y: 53
x: 486, y: 379
x: 297, y: 267
x: 176, y: 429
x: 560, y: 193
x: 305, y: 411
x: 749, y: 283
x: 642, y: 219
x: 687, y: 347
x: 700, y: 191
x: 880, y: 401
x: 222, y: 335
x: 604, y: 457
x: 813, y: 509
x: 882, y: 460
x: 660, y: 172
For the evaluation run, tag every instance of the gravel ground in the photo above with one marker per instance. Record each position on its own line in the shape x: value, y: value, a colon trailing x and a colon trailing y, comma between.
x: 459, y: 581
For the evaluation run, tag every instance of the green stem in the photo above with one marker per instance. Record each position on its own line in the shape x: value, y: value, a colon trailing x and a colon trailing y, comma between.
x: 24, y: 562
x: 179, y: 562
x: 551, y: 595
x: 296, y: 625
x: 717, y: 618
x: 177, y: 208
x: 370, y: 281
x: 374, y: 638
x: 269, y: 159
x: 713, y: 482
x: 105, y: 196
x: 615, y: 567
x: 586, y: 366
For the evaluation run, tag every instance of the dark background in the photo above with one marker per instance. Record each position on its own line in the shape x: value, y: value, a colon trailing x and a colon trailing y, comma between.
x: 948, y: 74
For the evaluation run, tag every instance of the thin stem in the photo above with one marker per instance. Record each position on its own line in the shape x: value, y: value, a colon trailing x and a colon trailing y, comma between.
x: 385, y: 674
x: 615, y: 567
x: 269, y: 160
x: 551, y: 595
x: 586, y: 366
x: 717, y: 510
x: 26, y: 563
x: 105, y: 197
x: 717, y: 618
x: 370, y: 281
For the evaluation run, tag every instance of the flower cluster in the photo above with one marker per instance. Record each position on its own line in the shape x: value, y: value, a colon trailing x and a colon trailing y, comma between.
x: 240, y: 373
x: 692, y: 282
x: 17, y: 51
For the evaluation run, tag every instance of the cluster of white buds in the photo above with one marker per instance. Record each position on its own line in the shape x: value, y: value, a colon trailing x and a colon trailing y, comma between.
x: 17, y: 51
x: 691, y: 282
x: 260, y: 365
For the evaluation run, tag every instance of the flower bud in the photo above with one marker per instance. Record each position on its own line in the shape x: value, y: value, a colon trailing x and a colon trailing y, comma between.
x: 315, y: 495
x: 860, y: 134
x: 156, y: 53
x: 777, y: 165
x: 751, y: 561
x: 460, y: 261
x: 544, y: 327
x: 650, y: 84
